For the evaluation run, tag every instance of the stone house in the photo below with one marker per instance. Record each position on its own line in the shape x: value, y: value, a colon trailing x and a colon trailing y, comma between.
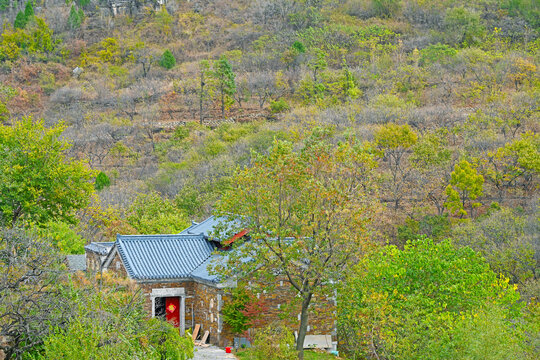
x: 172, y: 272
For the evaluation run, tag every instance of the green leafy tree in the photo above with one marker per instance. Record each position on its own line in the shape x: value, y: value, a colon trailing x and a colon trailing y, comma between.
x: 4, y: 5
x: 506, y: 238
x: 243, y: 310
x: 466, y: 185
x: 75, y: 18
x: 407, y: 304
x: 63, y: 237
x: 463, y: 26
x: 151, y: 214
x: 38, y: 182
x: 306, y: 212
x: 292, y: 55
x: 431, y: 158
x: 348, y: 83
x: 20, y: 21
x: 395, y: 141
x: 225, y: 82
x: 102, y: 181
x: 41, y: 37
x: 317, y: 63
x: 513, y: 166
x: 232, y: 310
x: 29, y: 10
x: 167, y: 60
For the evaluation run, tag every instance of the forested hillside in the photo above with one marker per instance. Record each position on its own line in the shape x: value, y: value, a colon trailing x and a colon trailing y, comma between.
x: 166, y: 102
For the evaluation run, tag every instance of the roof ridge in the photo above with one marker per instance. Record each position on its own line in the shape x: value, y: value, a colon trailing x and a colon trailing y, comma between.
x: 129, y: 237
x: 125, y: 259
x: 202, y: 262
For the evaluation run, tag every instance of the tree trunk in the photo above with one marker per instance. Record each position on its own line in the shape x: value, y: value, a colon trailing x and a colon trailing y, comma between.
x: 303, y: 325
x: 222, y: 103
x: 201, y: 99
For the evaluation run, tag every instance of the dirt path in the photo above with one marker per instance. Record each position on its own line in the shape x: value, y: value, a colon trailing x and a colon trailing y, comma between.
x: 212, y: 353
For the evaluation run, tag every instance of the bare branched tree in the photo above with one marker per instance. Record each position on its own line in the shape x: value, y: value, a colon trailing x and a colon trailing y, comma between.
x: 31, y: 302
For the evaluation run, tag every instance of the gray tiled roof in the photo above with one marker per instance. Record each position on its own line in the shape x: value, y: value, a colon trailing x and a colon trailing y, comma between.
x: 76, y: 262
x: 101, y: 248
x: 201, y: 272
x: 153, y: 257
x: 205, y: 227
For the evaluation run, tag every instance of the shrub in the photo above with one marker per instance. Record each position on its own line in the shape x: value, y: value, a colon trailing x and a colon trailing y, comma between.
x: 167, y: 61
x: 4, y: 112
x: 167, y: 342
x: 214, y: 147
x: 232, y: 311
x: 437, y: 52
x: 102, y: 181
x: 386, y: 8
x: 463, y: 27
x: 180, y: 133
x: 299, y: 47
x: 279, y: 106
x: 274, y: 342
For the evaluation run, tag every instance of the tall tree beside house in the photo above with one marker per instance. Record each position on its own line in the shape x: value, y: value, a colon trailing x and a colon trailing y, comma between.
x: 307, y: 213
x: 38, y: 182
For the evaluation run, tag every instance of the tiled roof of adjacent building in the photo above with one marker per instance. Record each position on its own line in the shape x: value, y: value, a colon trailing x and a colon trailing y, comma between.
x: 157, y: 257
x: 76, y: 262
x: 205, y: 228
x: 101, y: 248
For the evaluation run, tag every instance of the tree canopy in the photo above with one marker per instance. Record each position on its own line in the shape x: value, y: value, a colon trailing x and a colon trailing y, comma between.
x: 307, y: 212
x: 414, y: 303
x: 38, y: 182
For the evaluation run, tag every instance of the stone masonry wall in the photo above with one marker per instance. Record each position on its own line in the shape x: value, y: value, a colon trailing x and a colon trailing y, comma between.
x: 282, y: 305
x: 92, y: 262
x: 117, y: 266
x: 204, y: 304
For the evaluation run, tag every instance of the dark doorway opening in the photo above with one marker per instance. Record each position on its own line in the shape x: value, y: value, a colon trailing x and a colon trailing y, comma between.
x: 160, y: 308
